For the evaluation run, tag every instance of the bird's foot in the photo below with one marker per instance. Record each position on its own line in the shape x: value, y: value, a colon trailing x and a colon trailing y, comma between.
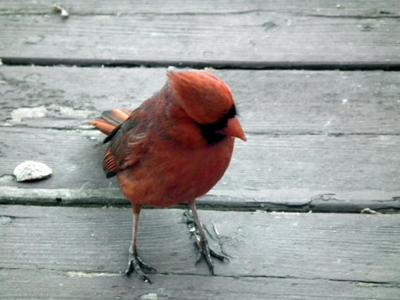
x: 206, y: 253
x: 136, y: 264
x: 201, y: 242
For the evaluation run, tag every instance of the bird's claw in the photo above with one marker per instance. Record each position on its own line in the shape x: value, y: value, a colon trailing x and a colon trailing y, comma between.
x: 219, y: 256
x: 206, y: 252
x: 136, y: 264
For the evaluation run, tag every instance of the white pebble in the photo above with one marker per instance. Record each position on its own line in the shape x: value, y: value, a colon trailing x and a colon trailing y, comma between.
x: 32, y: 170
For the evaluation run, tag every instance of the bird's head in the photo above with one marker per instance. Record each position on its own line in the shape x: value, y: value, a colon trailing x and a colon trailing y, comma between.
x: 208, y: 101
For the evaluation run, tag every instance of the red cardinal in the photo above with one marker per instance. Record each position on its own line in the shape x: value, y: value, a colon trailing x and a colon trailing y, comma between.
x: 172, y: 149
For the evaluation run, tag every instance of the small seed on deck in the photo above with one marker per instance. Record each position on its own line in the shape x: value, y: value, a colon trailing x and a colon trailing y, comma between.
x: 61, y: 10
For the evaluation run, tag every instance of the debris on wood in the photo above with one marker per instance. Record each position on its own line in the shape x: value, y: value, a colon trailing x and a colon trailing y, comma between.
x: 5, y: 220
x: 367, y: 210
x: 69, y: 112
x: 91, y: 274
x: 149, y: 296
x: 17, y: 115
x: 32, y: 170
x: 52, y: 111
x: 61, y: 10
x: 6, y: 178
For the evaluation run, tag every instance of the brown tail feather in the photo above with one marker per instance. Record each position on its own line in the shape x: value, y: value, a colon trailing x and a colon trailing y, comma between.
x: 110, y: 119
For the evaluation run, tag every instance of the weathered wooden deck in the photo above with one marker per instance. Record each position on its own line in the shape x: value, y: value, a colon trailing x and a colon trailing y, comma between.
x: 318, y: 89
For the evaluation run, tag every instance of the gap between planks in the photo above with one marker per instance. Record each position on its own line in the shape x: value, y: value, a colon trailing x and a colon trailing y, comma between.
x: 321, y: 203
x: 216, y: 64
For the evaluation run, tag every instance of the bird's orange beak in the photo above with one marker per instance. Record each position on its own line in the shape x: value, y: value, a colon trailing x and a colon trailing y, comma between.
x: 234, y: 129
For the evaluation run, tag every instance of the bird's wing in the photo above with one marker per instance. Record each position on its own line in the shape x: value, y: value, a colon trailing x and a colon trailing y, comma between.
x: 128, y: 143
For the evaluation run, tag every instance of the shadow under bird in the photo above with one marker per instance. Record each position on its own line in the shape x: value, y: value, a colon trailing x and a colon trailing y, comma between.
x: 171, y: 150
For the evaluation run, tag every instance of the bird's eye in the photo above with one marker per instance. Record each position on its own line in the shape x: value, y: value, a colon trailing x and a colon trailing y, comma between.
x: 231, y: 113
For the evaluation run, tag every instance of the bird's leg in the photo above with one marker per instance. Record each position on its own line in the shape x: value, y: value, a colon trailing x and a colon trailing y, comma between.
x: 202, y: 243
x: 135, y: 263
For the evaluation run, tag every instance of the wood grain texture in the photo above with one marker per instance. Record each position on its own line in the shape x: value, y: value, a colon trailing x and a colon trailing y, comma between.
x: 282, y: 169
x: 47, y: 284
x: 270, y: 102
x: 353, y: 8
x: 259, y: 36
x: 318, y: 141
x: 291, y: 255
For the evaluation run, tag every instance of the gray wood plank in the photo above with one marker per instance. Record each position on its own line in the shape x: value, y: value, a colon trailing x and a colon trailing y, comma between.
x: 47, y: 284
x: 255, y: 36
x: 267, y: 170
x: 271, y: 102
x: 313, y: 253
x: 359, y: 8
